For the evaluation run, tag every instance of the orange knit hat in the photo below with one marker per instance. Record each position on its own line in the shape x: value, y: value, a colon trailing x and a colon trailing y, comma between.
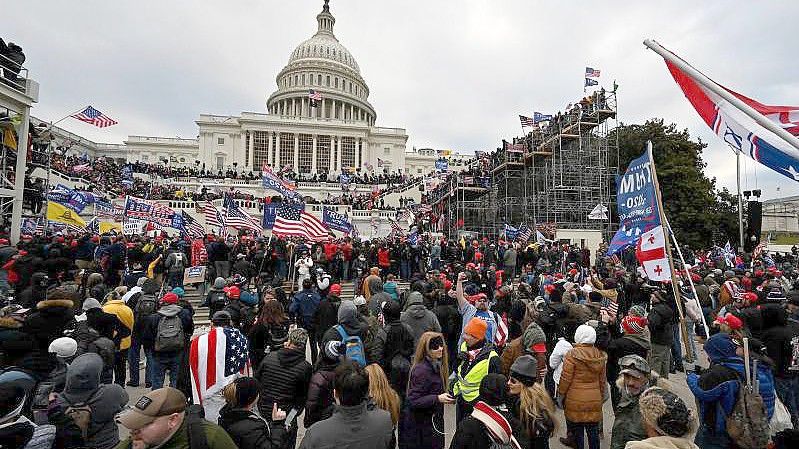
x: 477, y: 328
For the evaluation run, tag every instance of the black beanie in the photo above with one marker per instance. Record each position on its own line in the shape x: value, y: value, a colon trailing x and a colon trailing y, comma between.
x: 492, y: 389
x: 595, y: 296
x: 247, y: 389
x: 391, y: 311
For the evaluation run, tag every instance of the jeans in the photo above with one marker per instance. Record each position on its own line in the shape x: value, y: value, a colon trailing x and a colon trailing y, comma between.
x: 134, y: 357
x: 280, y: 268
x: 707, y: 439
x: 676, y: 349
x: 404, y: 269
x: 120, y: 357
x: 175, y: 279
x: 577, y: 430
x: 164, y: 363
x: 787, y: 389
x: 345, y: 270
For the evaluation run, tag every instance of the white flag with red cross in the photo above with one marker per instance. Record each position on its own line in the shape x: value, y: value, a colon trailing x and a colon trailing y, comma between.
x: 651, y: 253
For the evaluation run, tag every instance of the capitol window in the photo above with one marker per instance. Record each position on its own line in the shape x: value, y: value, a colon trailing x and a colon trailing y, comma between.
x: 303, y: 79
x: 319, y: 80
x: 335, y: 83
x: 327, y: 81
x: 296, y: 79
x: 220, y: 140
x: 387, y: 150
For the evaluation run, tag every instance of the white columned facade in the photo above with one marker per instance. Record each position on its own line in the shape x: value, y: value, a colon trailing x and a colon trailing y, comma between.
x: 313, y: 155
x: 338, y: 153
x: 296, y: 153
x: 251, y: 155
x: 276, y: 162
x: 269, y: 149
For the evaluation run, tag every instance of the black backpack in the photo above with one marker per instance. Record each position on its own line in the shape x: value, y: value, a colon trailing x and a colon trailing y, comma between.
x: 146, y: 306
x: 217, y: 299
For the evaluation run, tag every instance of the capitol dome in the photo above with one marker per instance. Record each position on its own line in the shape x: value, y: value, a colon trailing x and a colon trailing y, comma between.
x: 322, y: 65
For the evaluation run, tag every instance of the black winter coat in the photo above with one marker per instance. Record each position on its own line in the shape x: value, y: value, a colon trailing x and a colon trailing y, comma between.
x: 265, y: 336
x: 777, y: 336
x: 107, y: 325
x: 250, y: 431
x: 320, y: 404
x: 326, y: 315
x: 45, y: 325
x: 472, y: 434
x: 284, y: 376
x: 661, y: 324
x: 621, y: 347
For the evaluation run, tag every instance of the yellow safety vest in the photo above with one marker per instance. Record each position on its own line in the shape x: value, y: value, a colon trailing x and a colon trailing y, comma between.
x: 468, y: 386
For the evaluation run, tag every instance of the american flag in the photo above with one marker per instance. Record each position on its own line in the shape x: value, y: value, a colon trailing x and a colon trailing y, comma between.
x: 95, y: 117
x: 192, y: 227
x: 396, y: 228
x: 314, y: 95
x: 216, y: 359
x: 611, y: 307
x: 213, y: 216
x: 591, y: 72
x: 289, y: 221
x: 501, y: 334
x: 524, y: 233
x: 237, y: 218
x: 526, y: 121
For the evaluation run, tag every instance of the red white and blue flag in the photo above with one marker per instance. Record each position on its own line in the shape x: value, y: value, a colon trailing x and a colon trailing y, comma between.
x: 591, y: 72
x: 216, y: 359
x: 741, y: 131
x: 293, y: 222
x: 651, y: 253
x: 95, y: 117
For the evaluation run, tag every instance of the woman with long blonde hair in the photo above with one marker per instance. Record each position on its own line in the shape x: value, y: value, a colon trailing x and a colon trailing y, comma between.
x: 382, y: 395
x: 423, y: 424
x: 531, y: 403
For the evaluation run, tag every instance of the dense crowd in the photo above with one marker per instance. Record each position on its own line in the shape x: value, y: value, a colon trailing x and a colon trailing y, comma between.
x: 507, y: 332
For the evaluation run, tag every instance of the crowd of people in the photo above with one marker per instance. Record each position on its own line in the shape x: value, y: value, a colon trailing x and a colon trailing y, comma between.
x: 508, y: 333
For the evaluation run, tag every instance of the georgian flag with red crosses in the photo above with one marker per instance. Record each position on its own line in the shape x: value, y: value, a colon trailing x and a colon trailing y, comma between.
x: 651, y: 253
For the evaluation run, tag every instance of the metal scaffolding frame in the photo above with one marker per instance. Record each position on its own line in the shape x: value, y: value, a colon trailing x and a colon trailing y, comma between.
x: 17, y: 94
x: 554, y: 176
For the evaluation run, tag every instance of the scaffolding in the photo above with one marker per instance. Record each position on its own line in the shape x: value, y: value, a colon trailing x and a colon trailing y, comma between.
x: 554, y: 176
x: 17, y: 95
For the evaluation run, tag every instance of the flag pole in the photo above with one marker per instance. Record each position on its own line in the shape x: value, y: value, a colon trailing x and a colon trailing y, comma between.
x: 700, y: 78
x: 688, y: 275
x: 674, y: 285
x: 740, y: 200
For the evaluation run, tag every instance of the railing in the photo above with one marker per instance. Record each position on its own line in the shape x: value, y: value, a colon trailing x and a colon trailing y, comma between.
x: 13, y: 74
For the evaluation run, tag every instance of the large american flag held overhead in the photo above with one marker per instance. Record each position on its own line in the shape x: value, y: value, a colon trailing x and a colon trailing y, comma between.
x: 293, y: 222
x: 216, y: 359
x: 192, y: 227
x: 95, y: 117
x: 526, y: 121
x: 237, y: 218
x: 213, y: 216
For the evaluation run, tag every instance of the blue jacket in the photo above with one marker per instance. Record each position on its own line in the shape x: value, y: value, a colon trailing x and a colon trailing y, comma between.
x: 304, y: 305
x: 725, y: 394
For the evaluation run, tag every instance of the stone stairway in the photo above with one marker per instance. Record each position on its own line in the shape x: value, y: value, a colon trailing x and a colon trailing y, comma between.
x: 201, y: 318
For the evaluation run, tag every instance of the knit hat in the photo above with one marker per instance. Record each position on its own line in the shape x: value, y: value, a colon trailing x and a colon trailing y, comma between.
x: 729, y: 274
x: 179, y: 291
x: 534, y: 338
x: 335, y: 289
x: 493, y: 389
x: 595, y: 296
x: 633, y: 324
x: 391, y: 311
x: 585, y: 334
x: 333, y: 350
x: 221, y: 317
x: 477, y: 328
x: 83, y: 377
x: 150, y: 287
x: 219, y: 283
x: 666, y: 413
x: 91, y: 303
x: 637, y: 310
x: 719, y: 346
x: 64, y: 347
x: 730, y: 320
x: 359, y: 301
x: 525, y: 369
x: 170, y: 298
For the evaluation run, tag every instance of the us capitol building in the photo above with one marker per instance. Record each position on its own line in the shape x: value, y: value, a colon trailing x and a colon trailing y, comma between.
x: 337, y: 134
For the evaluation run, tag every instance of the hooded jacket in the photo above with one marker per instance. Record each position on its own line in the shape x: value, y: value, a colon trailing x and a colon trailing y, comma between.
x: 326, y: 314
x: 629, y: 344
x: 351, y: 321
x: 150, y: 328
x: 250, y: 431
x: 418, y: 317
x: 105, y: 400
x: 583, y: 383
x: 124, y: 314
x: 777, y: 335
x: 284, y: 376
x: 661, y: 324
x: 662, y: 442
x: 45, y: 325
x: 320, y: 403
x: 351, y: 427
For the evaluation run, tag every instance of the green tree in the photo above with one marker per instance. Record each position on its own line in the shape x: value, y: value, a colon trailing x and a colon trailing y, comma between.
x: 699, y: 214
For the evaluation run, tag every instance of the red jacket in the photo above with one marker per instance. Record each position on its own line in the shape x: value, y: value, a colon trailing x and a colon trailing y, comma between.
x: 330, y: 251
x: 383, y: 258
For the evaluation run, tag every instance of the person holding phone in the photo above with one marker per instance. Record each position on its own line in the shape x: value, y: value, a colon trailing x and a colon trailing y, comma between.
x: 423, y: 424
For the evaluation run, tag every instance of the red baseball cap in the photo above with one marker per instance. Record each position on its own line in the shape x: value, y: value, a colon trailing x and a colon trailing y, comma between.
x: 335, y: 289
x: 170, y: 298
x: 731, y: 320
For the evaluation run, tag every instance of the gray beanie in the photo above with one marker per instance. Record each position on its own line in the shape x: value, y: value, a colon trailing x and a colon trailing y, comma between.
x: 83, y: 377
x: 525, y: 369
x: 219, y: 283
x: 64, y: 347
x: 91, y: 303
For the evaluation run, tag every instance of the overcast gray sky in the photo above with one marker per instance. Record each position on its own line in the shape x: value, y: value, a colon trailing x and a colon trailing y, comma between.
x: 454, y: 73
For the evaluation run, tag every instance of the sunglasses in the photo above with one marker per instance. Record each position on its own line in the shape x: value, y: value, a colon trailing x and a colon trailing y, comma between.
x: 435, y: 343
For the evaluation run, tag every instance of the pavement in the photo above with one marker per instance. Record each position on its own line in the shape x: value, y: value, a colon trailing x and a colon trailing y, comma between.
x: 677, y: 384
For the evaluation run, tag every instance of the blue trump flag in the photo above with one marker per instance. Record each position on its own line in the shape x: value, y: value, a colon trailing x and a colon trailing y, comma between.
x: 336, y: 221
x: 510, y: 232
x: 636, y: 203
x: 270, y: 213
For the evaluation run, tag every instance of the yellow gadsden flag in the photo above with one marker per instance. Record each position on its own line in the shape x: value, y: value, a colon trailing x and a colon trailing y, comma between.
x: 62, y: 214
x: 107, y: 226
